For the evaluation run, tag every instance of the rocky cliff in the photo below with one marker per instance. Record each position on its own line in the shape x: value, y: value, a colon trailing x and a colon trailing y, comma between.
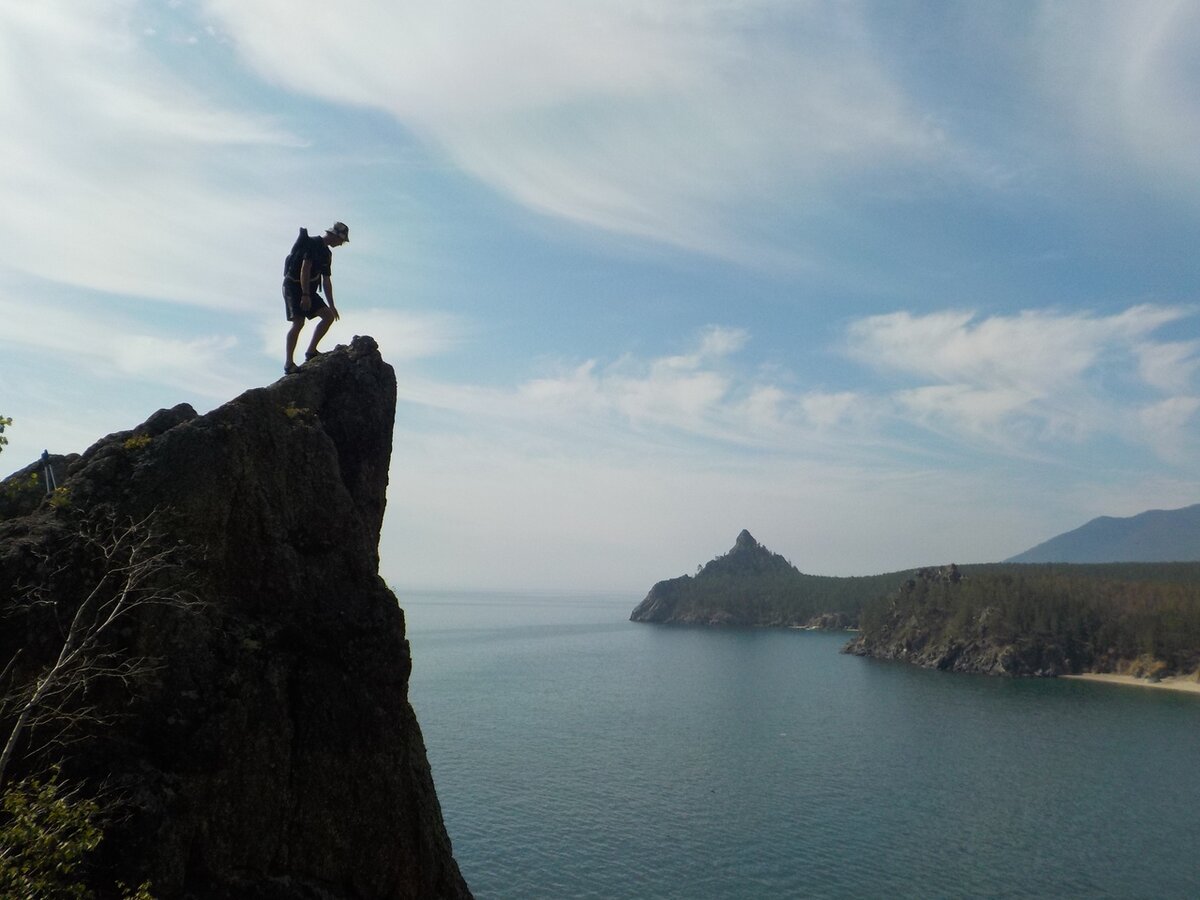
x: 1023, y: 620
x: 919, y: 624
x: 272, y: 751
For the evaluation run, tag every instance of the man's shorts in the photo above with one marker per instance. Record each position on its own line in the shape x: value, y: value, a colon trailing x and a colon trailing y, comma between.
x: 291, y: 301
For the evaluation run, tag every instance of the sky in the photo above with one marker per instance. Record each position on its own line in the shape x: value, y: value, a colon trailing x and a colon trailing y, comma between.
x: 887, y: 284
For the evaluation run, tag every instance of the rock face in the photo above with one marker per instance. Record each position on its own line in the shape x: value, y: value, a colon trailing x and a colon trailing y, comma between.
x: 979, y: 655
x: 926, y: 635
x: 274, y: 753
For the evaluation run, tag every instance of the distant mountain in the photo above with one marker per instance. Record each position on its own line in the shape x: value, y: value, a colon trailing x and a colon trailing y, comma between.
x: 1159, y: 535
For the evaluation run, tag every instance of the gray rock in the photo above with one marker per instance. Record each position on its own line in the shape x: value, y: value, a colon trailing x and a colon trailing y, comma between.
x: 274, y: 754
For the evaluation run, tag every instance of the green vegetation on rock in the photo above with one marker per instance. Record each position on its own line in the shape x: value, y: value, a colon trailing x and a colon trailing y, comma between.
x: 1135, y: 618
x: 1003, y: 618
x: 750, y: 585
x: 47, y: 833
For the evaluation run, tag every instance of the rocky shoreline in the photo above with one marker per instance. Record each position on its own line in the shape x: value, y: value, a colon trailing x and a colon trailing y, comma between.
x: 1027, y: 658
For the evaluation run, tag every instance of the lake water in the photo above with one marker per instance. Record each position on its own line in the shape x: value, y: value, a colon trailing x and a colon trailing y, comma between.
x: 579, y: 755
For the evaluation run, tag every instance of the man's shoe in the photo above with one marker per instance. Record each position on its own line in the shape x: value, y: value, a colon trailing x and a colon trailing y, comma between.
x: 311, y: 354
x: 291, y: 369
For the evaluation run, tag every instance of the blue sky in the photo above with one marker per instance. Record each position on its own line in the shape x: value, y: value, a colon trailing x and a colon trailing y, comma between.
x: 887, y: 284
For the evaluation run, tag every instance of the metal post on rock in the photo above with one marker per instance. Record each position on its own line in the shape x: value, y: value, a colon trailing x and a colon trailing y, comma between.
x: 48, y: 472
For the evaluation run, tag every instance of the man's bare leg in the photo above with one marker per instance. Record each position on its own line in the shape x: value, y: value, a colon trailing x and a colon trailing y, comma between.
x: 322, y: 327
x: 293, y: 336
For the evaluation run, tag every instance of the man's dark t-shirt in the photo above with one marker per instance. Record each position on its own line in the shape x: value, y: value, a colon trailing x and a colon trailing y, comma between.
x: 319, y: 256
x: 320, y: 262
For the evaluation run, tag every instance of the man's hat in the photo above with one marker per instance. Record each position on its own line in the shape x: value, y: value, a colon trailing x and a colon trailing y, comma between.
x: 339, y: 229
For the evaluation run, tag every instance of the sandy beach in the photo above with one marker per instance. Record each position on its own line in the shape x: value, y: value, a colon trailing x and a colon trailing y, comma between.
x: 1171, y: 683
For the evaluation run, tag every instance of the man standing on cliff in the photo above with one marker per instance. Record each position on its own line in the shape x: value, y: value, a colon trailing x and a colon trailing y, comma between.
x: 308, y: 270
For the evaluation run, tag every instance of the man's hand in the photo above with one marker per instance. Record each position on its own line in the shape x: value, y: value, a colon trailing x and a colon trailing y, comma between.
x: 336, y: 315
x: 305, y: 302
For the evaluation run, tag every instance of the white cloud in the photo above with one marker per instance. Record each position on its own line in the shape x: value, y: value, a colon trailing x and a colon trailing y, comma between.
x: 971, y: 408
x: 693, y: 121
x: 715, y: 343
x: 699, y: 393
x: 659, y: 119
x: 148, y: 356
x: 403, y: 336
x: 1035, y: 351
x: 827, y: 409
x: 103, y: 344
x: 1167, y: 427
x: 764, y: 408
x: 1123, y: 74
x: 1023, y: 383
x: 1170, y: 414
x: 1025, y: 386
x: 1169, y: 366
x: 116, y: 174
x: 600, y: 460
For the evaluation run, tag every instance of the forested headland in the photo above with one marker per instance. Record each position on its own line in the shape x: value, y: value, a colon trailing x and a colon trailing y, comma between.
x: 1045, y: 619
x: 751, y: 586
x: 1004, y: 618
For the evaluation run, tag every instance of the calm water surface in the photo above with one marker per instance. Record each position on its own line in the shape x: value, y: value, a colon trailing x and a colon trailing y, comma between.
x: 578, y: 755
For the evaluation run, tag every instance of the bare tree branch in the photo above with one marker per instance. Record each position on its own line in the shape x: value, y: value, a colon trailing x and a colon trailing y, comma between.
x: 138, y: 569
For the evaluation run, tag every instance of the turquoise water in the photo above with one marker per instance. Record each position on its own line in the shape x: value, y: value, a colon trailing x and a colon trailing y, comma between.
x: 578, y: 755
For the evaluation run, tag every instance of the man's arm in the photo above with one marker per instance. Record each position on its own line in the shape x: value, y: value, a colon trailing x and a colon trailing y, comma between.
x: 305, y: 298
x: 329, y: 298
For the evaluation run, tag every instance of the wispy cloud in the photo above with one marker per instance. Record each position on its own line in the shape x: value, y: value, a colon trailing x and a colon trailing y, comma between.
x: 117, y: 174
x: 687, y: 392
x: 1169, y: 366
x: 697, y: 124
x: 691, y: 122
x: 668, y: 120
x: 1123, y: 74
x: 106, y: 344
x: 1168, y: 426
x: 1030, y: 379
x: 403, y: 336
x: 1028, y: 385
x: 702, y: 394
x: 1036, y: 350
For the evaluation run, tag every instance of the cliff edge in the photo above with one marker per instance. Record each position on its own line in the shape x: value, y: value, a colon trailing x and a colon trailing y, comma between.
x: 272, y: 752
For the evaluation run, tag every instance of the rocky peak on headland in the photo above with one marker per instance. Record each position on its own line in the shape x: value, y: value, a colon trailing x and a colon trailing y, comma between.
x: 752, y: 586
x: 740, y: 575
x: 748, y: 557
x: 273, y: 753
